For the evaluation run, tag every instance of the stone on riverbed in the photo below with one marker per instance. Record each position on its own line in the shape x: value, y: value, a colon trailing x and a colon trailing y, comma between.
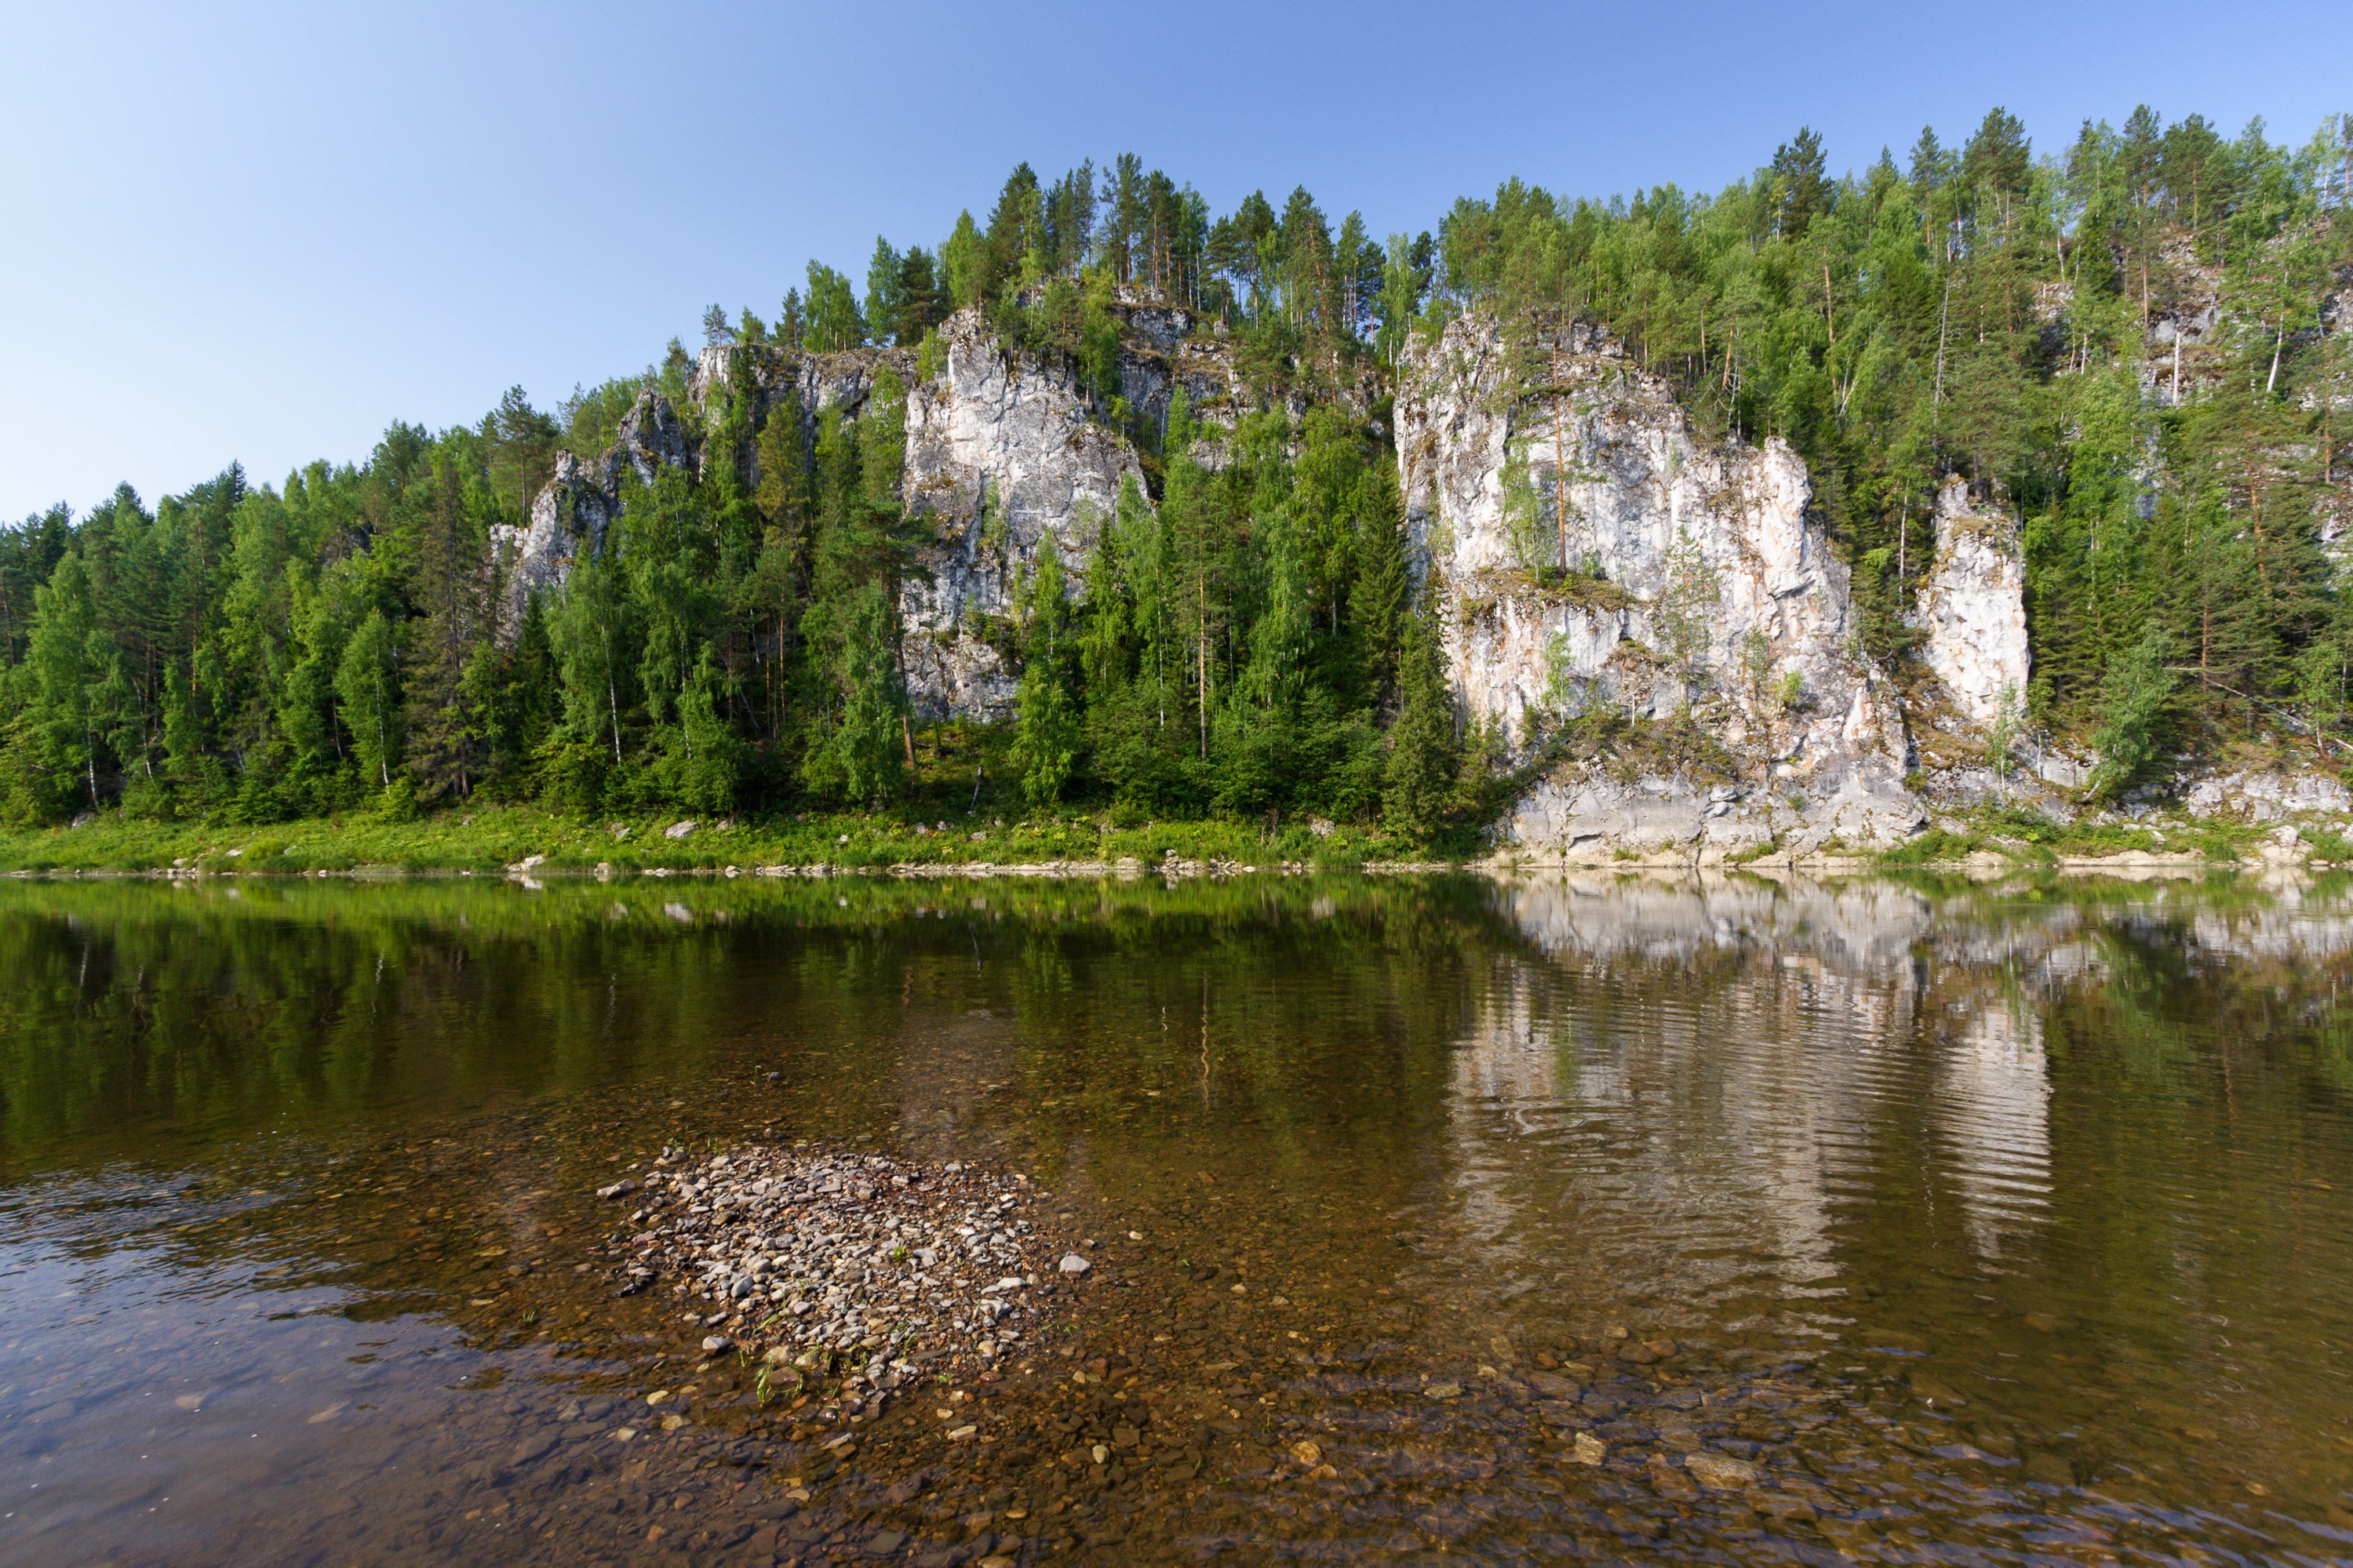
x: 829, y: 1260
x: 1720, y: 1472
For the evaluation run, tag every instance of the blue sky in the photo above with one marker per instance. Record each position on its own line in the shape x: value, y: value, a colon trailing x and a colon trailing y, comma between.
x: 262, y: 232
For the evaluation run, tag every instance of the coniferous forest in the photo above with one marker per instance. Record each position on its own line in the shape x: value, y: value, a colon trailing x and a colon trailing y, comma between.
x: 2136, y: 341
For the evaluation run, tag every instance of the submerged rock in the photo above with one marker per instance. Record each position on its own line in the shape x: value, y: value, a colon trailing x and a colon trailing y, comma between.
x: 813, y: 1256
x: 1719, y: 1472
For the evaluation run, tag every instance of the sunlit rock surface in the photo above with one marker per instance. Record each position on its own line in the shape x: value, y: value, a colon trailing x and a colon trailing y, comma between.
x: 1002, y: 454
x: 571, y: 510
x: 1594, y: 552
x: 1973, y: 608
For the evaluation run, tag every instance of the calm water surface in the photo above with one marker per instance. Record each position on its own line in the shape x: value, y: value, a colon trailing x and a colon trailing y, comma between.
x: 1981, y: 1227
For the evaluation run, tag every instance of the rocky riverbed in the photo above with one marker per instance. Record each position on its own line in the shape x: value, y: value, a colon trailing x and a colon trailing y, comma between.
x: 816, y: 1260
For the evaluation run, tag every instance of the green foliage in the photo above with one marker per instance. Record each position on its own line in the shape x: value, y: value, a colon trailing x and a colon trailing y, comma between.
x: 834, y: 321
x: 1424, y: 753
x: 367, y: 698
x: 1684, y: 615
x: 1046, y: 730
x: 1998, y: 315
x: 2132, y: 711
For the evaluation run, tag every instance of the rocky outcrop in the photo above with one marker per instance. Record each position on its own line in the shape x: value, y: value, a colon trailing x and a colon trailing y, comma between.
x: 573, y: 510
x: 2264, y: 795
x: 1592, y: 549
x: 821, y: 381
x: 1973, y: 608
x: 1593, y: 552
x: 1002, y: 454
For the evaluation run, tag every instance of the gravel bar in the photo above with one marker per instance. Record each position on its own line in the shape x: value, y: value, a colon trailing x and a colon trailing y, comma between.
x: 821, y: 1258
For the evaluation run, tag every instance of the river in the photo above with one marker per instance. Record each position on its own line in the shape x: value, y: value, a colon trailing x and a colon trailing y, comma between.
x: 1437, y: 1220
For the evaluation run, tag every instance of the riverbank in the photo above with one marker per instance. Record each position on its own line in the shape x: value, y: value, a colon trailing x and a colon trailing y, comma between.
x: 494, y: 840
x: 524, y: 840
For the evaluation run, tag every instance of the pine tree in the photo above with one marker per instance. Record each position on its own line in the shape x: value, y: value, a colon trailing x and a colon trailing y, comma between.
x: 918, y: 296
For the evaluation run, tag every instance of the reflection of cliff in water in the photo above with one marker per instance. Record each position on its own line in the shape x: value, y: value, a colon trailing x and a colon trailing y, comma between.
x: 1735, y: 1062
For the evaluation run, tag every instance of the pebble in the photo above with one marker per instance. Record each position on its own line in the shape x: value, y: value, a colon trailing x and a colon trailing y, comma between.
x: 1719, y: 1472
x: 1074, y: 1264
x: 815, y: 1257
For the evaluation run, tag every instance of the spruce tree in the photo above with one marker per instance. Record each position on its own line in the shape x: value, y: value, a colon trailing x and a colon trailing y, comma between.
x: 858, y: 723
x: 448, y: 587
x: 1046, y: 711
x: 1424, y: 753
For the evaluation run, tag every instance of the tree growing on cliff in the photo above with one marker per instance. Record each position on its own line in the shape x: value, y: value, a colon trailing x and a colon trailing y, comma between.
x: 1685, y: 612
x: 834, y: 322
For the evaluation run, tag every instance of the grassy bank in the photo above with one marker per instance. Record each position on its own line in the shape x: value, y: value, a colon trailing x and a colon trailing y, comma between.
x: 491, y: 838
x: 2032, y: 840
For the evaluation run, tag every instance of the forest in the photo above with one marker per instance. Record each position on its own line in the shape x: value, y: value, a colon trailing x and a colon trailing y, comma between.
x: 2135, y: 343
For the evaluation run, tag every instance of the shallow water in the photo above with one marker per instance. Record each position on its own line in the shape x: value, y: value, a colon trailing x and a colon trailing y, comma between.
x: 1981, y: 1227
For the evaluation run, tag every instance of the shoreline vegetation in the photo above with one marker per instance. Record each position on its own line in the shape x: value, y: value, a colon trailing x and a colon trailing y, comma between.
x: 528, y: 841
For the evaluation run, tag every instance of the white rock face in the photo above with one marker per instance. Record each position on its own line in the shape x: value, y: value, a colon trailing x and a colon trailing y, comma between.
x: 1001, y: 454
x: 1973, y: 608
x: 2268, y: 796
x: 1715, y: 537
x: 572, y: 510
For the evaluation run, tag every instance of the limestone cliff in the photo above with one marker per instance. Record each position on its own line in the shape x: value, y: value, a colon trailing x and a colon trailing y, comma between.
x: 573, y: 510
x: 1002, y: 450
x: 1973, y: 608
x: 1697, y: 576
x: 1002, y: 453
x: 1694, y: 575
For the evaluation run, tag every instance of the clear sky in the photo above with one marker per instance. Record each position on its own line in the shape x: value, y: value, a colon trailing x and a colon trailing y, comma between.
x: 260, y: 232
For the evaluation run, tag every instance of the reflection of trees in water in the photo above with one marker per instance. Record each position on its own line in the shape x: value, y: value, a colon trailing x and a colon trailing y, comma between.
x: 138, y: 1008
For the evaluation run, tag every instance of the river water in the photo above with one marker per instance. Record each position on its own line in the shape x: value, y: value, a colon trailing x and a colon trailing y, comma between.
x: 1450, y: 1220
